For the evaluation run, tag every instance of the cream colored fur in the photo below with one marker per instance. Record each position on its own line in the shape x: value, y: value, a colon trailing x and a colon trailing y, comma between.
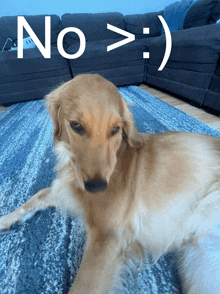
x: 136, y: 193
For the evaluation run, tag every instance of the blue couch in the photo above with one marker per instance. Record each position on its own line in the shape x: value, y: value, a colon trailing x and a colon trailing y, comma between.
x: 192, y: 70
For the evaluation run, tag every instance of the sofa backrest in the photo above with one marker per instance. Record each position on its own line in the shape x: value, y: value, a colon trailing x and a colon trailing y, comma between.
x: 94, y: 26
x: 136, y: 22
x: 8, y: 28
x: 202, y: 13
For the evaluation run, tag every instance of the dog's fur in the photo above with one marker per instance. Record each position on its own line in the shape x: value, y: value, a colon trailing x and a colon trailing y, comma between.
x: 138, y: 193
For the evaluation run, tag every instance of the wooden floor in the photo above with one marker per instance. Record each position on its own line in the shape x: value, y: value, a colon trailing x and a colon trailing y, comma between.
x: 198, y: 113
x: 195, y: 112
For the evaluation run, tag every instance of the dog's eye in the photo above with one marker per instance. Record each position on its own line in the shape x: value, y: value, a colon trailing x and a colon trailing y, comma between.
x: 77, y: 127
x: 115, y: 130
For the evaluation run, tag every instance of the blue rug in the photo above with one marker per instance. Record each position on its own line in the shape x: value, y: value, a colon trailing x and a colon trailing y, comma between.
x: 44, y: 254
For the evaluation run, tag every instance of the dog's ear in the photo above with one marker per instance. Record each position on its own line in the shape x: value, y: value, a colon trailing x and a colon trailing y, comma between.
x: 53, y: 104
x: 129, y: 129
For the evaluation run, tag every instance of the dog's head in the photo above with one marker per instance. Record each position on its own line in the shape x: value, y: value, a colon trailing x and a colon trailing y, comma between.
x: 90, y: 115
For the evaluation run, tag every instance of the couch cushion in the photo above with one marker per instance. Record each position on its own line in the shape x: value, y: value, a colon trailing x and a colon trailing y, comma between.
x: 193, y: 60
x: 187, y: 77
x: 194, y: 49
x: 202, y: 13
x: 32, y: 62
x: 8, y: 25
x: 215, y: 82
x: 215, y: 17
x: 96, y: 55
x: 120, y: 76
x: 122, y: 66
x: 136, y: 22
x: 30, y: 89
x: 32, y: 84
x: 212, y: 99
x: 193, y: 93
x: 218, y: 68
x: 94, y: 26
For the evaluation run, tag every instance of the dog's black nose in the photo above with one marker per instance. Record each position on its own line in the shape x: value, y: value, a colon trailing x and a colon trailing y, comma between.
x: 95, y: 185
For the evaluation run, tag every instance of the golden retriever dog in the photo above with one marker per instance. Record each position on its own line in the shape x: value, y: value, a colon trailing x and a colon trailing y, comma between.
x: 137, y: 193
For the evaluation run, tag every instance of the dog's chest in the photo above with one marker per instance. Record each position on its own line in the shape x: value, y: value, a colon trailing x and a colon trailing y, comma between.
x: 161, y: 230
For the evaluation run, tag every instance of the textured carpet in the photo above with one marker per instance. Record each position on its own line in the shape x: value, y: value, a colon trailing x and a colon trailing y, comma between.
x: 44, y: 254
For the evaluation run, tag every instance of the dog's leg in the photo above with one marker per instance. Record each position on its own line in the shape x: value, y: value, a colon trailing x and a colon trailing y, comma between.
x: 200, y: 266
x: 99, y: 265
x: 39, y: 201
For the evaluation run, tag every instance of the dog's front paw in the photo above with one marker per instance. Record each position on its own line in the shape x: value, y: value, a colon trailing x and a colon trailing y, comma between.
x: 5, y: 225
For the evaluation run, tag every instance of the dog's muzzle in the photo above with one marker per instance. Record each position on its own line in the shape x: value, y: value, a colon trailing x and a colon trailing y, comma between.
x: 95, y: 185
